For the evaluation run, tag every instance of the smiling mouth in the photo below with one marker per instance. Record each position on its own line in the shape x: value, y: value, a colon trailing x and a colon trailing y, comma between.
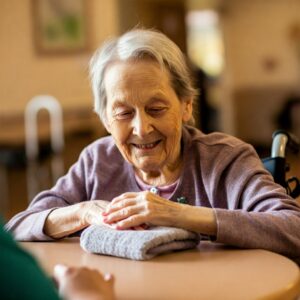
x: 148, y: 146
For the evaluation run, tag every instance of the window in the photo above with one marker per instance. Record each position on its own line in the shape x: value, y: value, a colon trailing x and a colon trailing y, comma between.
x: 204, y: 41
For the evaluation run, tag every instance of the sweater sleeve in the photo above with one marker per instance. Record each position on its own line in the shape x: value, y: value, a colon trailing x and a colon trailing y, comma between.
x: 70, y: 189
x: 258, y: 213
x: 21, y: 277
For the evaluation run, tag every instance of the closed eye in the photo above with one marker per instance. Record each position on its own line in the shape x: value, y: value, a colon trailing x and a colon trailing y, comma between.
x: 156, y: 110
x: 124, y: 115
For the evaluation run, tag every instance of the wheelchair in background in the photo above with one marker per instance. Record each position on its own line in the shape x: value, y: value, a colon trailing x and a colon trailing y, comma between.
x: 277, y: 165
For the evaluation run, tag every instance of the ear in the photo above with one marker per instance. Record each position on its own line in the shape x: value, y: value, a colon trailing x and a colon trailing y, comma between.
x: 187, y: 109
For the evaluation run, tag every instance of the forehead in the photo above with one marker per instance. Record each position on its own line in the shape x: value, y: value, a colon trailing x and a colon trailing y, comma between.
x: 139, y: 78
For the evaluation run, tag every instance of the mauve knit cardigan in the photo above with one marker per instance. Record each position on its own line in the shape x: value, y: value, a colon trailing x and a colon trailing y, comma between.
x: 219, y: 171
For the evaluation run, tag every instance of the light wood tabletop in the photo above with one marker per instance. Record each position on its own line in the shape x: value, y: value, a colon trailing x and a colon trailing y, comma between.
x: 212, y: 271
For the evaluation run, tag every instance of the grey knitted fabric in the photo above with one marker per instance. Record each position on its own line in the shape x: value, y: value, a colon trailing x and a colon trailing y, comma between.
x: 137, y: 244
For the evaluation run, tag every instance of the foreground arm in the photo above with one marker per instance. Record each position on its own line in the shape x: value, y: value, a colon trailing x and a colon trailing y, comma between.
x: 21, y: 277
x: 24, y: 279
x: 83, y: 283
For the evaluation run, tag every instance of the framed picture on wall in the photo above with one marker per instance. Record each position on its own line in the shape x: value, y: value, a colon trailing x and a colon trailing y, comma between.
x: 60, y: 26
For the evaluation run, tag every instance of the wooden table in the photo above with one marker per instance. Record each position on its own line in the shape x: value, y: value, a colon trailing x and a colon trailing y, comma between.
x: 211, y: 271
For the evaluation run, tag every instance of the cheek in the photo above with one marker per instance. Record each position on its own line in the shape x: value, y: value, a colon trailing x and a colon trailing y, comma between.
x: 172, y: 128
x: 119, y: 132
x: 120, y: 135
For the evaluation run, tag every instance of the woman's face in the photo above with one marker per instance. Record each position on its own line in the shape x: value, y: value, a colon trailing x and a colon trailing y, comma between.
x: 144, y: 114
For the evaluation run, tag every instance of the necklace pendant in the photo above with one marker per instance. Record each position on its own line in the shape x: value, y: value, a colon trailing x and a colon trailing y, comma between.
x: 154, y: 190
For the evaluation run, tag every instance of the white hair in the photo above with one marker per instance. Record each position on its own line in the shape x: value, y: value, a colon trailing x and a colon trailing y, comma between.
x: 140, y: 44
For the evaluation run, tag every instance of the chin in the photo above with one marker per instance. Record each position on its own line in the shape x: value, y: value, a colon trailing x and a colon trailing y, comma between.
x: 147, y: 165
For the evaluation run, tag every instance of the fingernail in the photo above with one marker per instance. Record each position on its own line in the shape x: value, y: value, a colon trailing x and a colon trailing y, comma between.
x: 108, y: 276
x: 60, y: 269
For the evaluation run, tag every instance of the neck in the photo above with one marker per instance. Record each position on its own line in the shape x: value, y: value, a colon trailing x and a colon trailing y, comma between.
x: 162, y: 177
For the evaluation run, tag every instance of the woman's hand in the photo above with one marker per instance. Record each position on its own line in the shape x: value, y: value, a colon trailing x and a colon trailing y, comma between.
x: 81, y: 283
x: 92, y: 212
x: 135, y: 209
x: 64, y: 221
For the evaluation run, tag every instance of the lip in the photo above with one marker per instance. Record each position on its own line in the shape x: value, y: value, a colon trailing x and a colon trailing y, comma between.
x: 146, y: 146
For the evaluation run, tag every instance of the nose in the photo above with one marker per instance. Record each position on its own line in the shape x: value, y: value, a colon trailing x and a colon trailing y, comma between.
x: 142, y: 124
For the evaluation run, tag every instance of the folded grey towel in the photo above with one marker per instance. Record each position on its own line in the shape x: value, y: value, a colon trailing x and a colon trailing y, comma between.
x: 137, y: 244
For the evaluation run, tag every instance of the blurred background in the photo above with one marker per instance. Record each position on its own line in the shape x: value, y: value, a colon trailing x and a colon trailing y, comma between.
x: 245, y: 57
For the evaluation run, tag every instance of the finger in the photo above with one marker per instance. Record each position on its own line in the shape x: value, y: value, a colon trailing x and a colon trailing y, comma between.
x: 131, y: 222
x: 141, y: 227
x: 125, y: 200
x: 60, y: 271
x: 122, y: 197
x: 109, y: 277
x: 122, y: 213
x: 119, y: 205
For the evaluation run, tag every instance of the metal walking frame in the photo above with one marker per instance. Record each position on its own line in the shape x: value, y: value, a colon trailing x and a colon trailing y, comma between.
x: 277, y: 165
x: 34, y: 171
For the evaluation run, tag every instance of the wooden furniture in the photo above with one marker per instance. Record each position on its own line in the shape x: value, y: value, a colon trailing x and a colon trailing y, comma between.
x: 212, y: 271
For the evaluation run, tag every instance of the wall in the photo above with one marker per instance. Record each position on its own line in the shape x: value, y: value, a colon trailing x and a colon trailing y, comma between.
x: 256, y: 33
x: 258, y: 30
x: 262, y: 67
x: 24, y: 73
x: 167, y: 16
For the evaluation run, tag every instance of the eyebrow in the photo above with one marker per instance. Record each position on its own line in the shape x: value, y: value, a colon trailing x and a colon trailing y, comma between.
x: 159, y: 97
x: 118, y: 103
x: 156, y: 97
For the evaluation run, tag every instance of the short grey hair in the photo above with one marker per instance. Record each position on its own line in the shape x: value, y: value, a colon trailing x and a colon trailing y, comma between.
x: 135, y: 45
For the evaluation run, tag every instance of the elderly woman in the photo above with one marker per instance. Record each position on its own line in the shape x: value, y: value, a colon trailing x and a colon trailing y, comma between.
x: 155, y: 169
